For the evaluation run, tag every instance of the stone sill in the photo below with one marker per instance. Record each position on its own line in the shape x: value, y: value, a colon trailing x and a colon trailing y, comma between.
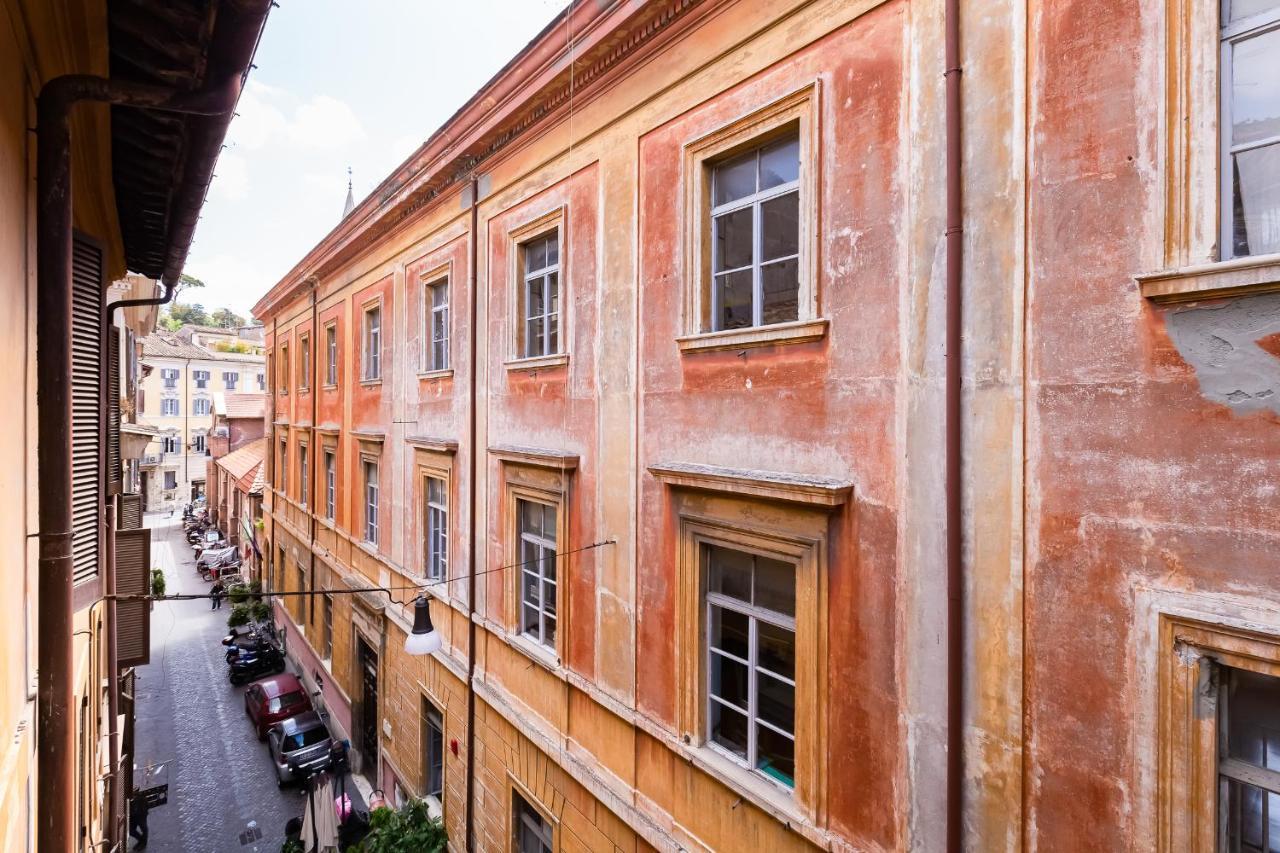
x: 771, y: 485
x: 541, y: 362
x: 444, y: 373
x: 798, y: 332
x: 1237, y: 277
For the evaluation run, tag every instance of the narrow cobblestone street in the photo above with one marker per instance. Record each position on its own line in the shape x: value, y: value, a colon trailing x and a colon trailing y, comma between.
x: 220, y: 777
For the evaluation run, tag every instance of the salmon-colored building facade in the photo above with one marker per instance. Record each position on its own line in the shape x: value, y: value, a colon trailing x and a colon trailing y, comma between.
x: 636, y: 369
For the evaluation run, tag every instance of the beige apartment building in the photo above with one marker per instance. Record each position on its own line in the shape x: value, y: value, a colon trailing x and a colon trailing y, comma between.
x: 184, y: 375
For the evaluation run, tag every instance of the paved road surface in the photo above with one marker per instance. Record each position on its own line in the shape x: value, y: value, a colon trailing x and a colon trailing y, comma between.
x: 220, y: 777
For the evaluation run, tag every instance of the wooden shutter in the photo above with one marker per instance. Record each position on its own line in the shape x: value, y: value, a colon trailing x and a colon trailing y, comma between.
x: 86, y: 407
x: 114, y: 466
x: 130, y: 515
x: 133, y: 577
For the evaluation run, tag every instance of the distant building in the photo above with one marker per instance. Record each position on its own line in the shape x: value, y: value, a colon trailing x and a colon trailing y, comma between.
x: 186, y: 373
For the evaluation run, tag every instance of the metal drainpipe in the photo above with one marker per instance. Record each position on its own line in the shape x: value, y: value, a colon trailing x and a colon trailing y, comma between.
x: 472, y: 453
x: 115, y: 803
x: 55, y: 733
x: 312, y: 391
x: 954, y: 448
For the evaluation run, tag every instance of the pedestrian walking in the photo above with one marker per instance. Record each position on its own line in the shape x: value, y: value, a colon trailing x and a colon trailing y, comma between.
x: 217, y: 590
x: 138, y: 819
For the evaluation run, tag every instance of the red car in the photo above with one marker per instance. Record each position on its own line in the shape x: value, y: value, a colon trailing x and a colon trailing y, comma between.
x: 273, y: 699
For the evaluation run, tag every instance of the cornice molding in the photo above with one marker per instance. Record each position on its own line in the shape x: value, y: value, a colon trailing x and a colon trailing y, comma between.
x: 525, y: 95
x: 770, y: 485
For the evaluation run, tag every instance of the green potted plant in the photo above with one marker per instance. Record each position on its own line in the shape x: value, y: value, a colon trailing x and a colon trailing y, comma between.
x: 407, y: 830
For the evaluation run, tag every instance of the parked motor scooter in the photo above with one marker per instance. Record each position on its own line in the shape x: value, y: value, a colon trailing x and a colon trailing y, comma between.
x: 263, y: 659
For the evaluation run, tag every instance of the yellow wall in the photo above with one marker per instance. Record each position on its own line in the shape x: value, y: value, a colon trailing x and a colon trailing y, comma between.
x: 40, y: 40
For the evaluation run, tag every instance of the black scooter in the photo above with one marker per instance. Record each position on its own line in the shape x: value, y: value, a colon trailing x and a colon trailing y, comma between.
x: 264, y: 659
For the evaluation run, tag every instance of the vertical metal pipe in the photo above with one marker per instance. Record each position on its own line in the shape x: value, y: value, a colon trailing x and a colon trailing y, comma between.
x: 56, y: 725
x: 472, y: 453
x: 954, y: 483
x: 115, y: 801
x: 55, y: 733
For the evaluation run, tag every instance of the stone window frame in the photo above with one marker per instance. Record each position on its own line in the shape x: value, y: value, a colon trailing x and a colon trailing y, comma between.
x: 517, y: 789
x: 425, y: 699
x: 1192, y: 169
x: 331, y: 354
x: 439, y: 274
x: 370, y: 452
x: 539, y: 226
x: 366, y: 308
x: 304, y: 361
x: 282, y: 461
x: 718, y: 506
x: 545, y: 478
x: 329, y: 450
x: 1188, y: 721
x: 797, y: 111
x: 304, y: 474
x: 434, y: 466
x: 284, y: 366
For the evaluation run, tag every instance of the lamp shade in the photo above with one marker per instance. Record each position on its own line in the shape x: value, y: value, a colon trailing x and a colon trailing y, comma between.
x: 423, y: 640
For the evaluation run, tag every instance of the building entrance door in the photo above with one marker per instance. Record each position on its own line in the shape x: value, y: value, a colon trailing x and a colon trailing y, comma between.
x: 367, y: 735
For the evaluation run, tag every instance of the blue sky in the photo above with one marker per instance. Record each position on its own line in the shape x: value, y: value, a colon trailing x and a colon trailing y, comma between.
x: 339, y: 84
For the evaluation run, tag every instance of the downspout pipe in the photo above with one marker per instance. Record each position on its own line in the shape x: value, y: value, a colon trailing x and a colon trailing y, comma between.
x: 313, y: 487
x: 472, y: 452
x: 55, y: 735
x: 954, y: 447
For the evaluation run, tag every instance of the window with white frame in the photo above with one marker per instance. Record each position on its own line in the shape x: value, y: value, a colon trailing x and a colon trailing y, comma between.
x: 751, y: 661
x: 201, y: 406
x: 171, y: 479
x: 533, y: 832
x: 330, y: 484
x: 432, y: 737
x: 437, y: 527
x: 331, y: 354
x: 199, y: 443
x: 201, y: 378
x: 755, y: 236
x: 229, y: 379
x: 170, y: 377
x: 537, y: 534
x: 372, y: 350
x: 302, y: 473
x: 169, y: 407
x: 284, y: 369
x: 540, y: 263
x: 262, y: 381
x: 304, y: 369
x: 326, y: 636
x: 371, y: 502
x: 1250, y: 127
x: 437, y: 304
x: 170, y: 441
x: 284, y: 466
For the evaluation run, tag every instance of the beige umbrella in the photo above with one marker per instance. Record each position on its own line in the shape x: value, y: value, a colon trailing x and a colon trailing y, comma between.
x: 319, y: 821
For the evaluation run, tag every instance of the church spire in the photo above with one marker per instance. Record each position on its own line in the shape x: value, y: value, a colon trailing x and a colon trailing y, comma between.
x: 351, y: 199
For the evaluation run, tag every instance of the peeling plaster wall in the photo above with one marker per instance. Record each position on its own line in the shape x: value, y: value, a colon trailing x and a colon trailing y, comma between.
x: 1233, y: 348
x: 1149, y: 478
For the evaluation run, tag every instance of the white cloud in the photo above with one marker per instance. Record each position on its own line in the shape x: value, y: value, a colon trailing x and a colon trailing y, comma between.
x: 270, y: 116
x: 231, y: 181
x: 325, y: 123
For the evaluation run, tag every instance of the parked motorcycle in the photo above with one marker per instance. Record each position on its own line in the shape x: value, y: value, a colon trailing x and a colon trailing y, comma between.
x: 248, y: 664
x: 214, y: 557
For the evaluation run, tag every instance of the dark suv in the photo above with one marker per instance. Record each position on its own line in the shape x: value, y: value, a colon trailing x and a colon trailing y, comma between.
x: 299, y: 747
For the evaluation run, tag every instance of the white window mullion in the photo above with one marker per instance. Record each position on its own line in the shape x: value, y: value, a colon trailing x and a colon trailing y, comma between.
x: 751, y: 693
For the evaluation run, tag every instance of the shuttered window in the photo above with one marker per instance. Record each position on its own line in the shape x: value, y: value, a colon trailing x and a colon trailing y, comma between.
x: 86, y: 407
x: 114, y: 466
x: 133, y: 577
